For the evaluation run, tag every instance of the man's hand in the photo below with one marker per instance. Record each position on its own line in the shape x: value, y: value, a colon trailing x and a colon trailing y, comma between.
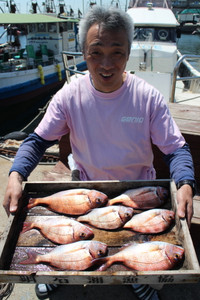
x: 13, y: 193
x: 185, y: 203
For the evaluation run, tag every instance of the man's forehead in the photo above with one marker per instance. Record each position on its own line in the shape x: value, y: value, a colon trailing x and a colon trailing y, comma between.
x: 99, y: 36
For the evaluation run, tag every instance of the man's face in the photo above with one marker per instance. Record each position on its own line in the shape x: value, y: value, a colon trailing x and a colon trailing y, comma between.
x: 106, y: 54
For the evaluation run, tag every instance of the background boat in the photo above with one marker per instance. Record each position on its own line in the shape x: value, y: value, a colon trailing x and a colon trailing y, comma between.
x: 34, y: 70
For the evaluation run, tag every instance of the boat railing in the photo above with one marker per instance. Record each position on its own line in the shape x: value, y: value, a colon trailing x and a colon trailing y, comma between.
x: 71, y: 60
x: 188, y: 75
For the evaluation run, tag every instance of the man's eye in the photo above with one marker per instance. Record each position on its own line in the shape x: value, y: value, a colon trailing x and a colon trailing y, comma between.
x: 118, y: 53
x: 95, y: 53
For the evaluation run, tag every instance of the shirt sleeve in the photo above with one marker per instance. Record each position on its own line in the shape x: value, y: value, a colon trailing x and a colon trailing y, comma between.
x: 29, y: 154
x: 180, y: 164
x: 165, y: 133
x: 54, y: 123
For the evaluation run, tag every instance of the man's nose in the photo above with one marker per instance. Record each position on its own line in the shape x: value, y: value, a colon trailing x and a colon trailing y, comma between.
x: 107, y: 62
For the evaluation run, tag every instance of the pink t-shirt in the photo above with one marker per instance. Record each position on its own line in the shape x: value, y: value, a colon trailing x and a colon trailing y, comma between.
x: 111, y: 133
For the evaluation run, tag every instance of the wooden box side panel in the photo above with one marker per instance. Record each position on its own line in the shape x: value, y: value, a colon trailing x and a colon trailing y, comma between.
x: 184, y: 234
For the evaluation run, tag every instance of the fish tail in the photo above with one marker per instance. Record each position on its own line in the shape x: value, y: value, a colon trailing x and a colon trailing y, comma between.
x: 27, y: 226
x: 103, y: 267
x: 110, y: 202
x: 32, y: 203
x: 80, y: 219
x: 104, y: 263
x: 32, y: 258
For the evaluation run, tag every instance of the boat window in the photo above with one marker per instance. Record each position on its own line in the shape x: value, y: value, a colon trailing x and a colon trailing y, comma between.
x: 32, y: 27
x: 51, y: 27
x: 154, y: 34
x: 163, y: 34
x: 70, y: 26
x: 64, y: 26
x: 41, y: 27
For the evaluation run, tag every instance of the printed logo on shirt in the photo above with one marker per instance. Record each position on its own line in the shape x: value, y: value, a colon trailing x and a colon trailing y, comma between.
x: 132, y: 119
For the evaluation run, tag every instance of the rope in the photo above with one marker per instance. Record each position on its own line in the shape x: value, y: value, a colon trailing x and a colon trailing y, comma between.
x: 41, y: 111
x: 6, y: 290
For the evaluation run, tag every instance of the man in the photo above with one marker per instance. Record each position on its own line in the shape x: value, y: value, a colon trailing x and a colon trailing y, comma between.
x: 112, y: 117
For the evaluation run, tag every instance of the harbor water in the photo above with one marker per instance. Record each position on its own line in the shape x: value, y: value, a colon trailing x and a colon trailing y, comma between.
x: 190, y: 44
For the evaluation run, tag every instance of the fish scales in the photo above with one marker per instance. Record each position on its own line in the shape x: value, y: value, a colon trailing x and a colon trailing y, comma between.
x: 72, y: 204
x: 107, y: 217
x: 142, y: 198
x: 151, y: 221
x: 149, y: 256
x: 60, y: 229
x: 76, y: 256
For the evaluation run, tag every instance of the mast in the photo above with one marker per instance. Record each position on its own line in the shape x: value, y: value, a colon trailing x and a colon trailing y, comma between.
x: 49, y: 6
x: 115, y: 3
x: 61, y: 6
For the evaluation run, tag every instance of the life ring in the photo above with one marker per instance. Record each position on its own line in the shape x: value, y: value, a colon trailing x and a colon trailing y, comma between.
x: 59, y: 72
x: 41, y: 72
x: 163, y: 34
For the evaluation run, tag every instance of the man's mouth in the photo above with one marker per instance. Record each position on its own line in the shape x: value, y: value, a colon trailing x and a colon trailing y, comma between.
x: 106, y: 75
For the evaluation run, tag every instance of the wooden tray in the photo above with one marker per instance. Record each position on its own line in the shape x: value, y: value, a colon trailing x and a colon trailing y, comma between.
x: 13, y: 245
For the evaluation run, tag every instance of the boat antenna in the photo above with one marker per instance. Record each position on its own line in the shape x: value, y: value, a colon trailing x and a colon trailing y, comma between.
x: 12, y: 7
x: 49, y: 6
x: 61, y: 7
x: 116, y: 3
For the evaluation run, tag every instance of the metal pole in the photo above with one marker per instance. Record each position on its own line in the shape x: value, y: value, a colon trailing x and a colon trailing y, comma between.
x: 175, y: 73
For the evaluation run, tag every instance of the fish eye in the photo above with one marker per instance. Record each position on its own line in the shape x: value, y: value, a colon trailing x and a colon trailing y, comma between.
x: 100, y: 253
x: 127, y: 215
x: 82, y: 235
x: 98, y: 200
x: 176, y: 257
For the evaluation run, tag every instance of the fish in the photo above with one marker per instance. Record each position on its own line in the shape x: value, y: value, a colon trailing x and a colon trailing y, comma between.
x: 60, y: 229
x: 146, y: 197
x: 151, y: 221
x: 79, y: 256
x: 148, y: 256
x: 109, y: 217
x: 71, y: 202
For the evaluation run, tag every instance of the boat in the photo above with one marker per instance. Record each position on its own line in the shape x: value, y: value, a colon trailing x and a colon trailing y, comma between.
x: 36, y: 69
x: 154, y: 49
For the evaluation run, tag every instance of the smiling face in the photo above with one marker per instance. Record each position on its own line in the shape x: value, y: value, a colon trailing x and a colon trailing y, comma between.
x: 106, y: 54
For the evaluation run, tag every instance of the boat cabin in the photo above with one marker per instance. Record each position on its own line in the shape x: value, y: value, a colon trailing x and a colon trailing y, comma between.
x: 55, y: 36
x: 154, y: 50
x: 45, y: 35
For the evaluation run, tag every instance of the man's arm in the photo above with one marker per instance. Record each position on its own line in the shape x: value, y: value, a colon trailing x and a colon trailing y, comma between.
x: 26, y: 159
x: 182, y: 171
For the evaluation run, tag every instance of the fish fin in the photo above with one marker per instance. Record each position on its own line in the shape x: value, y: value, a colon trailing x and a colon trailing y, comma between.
x: 32, y: 258
x: 128, y: 245
x: 27, y: 226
